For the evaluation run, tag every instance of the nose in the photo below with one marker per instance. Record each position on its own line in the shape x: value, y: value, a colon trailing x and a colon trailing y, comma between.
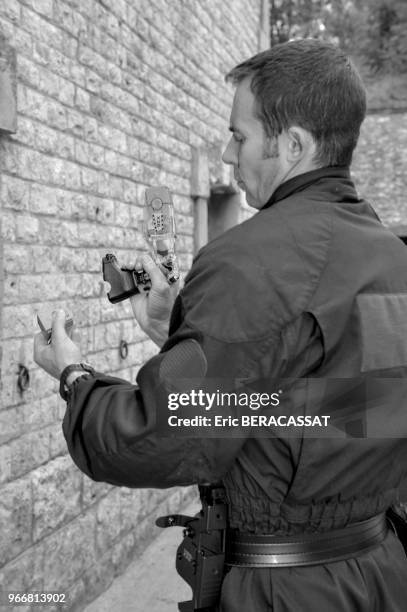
x: 229, y: 154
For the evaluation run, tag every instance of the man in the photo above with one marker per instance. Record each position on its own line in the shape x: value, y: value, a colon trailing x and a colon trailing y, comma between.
x: 309, y: 297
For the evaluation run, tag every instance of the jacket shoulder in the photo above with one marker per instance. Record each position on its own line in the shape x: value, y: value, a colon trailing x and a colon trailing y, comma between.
x: 256, y: 277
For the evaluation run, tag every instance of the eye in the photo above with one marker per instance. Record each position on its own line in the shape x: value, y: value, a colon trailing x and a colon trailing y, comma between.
x: 237, y: 137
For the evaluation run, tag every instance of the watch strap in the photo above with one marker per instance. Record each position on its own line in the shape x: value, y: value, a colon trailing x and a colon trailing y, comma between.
x: 84, y: 368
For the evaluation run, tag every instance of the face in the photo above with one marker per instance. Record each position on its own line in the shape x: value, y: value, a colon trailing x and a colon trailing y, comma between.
x: 258, y: 167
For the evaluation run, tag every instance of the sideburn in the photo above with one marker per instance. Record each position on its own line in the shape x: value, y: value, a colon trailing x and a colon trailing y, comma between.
x: 270, y: 148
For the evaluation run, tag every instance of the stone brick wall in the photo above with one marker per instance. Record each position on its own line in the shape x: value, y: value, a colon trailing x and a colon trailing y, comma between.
x: 112, y: 98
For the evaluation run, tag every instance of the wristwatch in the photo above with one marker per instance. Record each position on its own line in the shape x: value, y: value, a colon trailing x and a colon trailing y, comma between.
x: 84, y: 368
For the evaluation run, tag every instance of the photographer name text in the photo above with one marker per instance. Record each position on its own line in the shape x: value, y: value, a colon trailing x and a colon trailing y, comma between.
x: 249, y: 420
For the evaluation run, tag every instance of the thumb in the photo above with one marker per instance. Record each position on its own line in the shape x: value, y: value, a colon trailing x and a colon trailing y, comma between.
x: 58, y: 325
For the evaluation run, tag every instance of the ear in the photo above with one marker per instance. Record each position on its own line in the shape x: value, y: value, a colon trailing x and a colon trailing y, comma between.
x: 299, y: 144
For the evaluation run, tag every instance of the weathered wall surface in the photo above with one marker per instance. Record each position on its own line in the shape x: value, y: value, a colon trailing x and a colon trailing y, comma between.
x: 112, y: 97
x: 380, y: 165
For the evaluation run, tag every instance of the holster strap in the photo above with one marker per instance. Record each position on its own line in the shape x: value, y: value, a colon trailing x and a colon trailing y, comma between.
x: 249, y: 550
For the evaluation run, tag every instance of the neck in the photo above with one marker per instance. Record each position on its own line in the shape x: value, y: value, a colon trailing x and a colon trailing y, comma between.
x: 301, y: 167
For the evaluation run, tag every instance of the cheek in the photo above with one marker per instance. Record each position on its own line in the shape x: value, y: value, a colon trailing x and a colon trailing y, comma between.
x: 246, y: 160
x: 249, y: 169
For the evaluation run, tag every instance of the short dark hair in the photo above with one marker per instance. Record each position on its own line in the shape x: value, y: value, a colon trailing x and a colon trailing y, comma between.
x: 312, y: 84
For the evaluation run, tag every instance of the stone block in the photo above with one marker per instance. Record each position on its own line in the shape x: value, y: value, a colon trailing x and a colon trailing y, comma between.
x: 43, y: 259
x: 82, y: 100
x: 25, y: 573
x: 123, y: 553
x: 17, y: 259
x: 96, y: 156
x: 5, y: 461
x: 93, y: 491
x: 8, y: 88
x: 57, y: 443
x: 41, y: 413
x: 130, y: 508
x: 108, y: 525
x: 77, y: 74
x: 6, y: 28
x: 100, y: 209
x: 11, y: 424
x: 56, y: 489
x: 18, y: 320
x: 99, y: 577
x: 77, y: 596
x: 94, y: 260
x: 11, y: 10
x: 22, y: 41
x: 56, y: 86
x: 15, y: 193
x: 56, y: 232
x: 70, y: 552
x: 29, y: 451
x: 185, y: 243
x: 41, y: 29
x: 56, y: 115
x: 68, y: 18
x: 90, y: 180
x: 27, y: 229
x: 16, y: 351
x: 12, y: 287
x: 41, y: 6
x: 15, y: 518
x: 8, y: 226
x: 46, y: 200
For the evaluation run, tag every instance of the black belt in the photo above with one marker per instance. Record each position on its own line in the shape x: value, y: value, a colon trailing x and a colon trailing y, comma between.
x: 248, y: 550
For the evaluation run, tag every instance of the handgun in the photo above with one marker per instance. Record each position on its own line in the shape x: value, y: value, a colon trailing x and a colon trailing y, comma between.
x: 200, y: 557
x: 159, y: 232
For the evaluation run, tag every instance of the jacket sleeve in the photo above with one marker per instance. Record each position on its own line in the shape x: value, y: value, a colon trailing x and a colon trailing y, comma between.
x: 116, y: 431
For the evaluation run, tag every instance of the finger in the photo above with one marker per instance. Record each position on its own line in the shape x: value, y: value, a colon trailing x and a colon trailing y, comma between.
x: 162, y: 269
x: 158, y: 279
x: 39, y: 344
x: 40, y: 348
x: 138, y: 264
x: 58, y: 325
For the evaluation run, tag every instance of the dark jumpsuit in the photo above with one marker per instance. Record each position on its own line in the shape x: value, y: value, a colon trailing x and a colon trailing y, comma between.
x: 310, y: 294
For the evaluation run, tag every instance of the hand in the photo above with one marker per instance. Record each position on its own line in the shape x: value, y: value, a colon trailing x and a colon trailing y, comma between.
x: 62, y: 351
x: 152, y: 310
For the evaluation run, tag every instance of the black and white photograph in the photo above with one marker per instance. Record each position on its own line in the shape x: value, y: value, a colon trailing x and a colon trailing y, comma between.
x: 203, y: 306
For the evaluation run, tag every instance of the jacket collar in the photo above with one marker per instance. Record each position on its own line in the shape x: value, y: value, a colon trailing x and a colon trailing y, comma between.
x: 303, y: 181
